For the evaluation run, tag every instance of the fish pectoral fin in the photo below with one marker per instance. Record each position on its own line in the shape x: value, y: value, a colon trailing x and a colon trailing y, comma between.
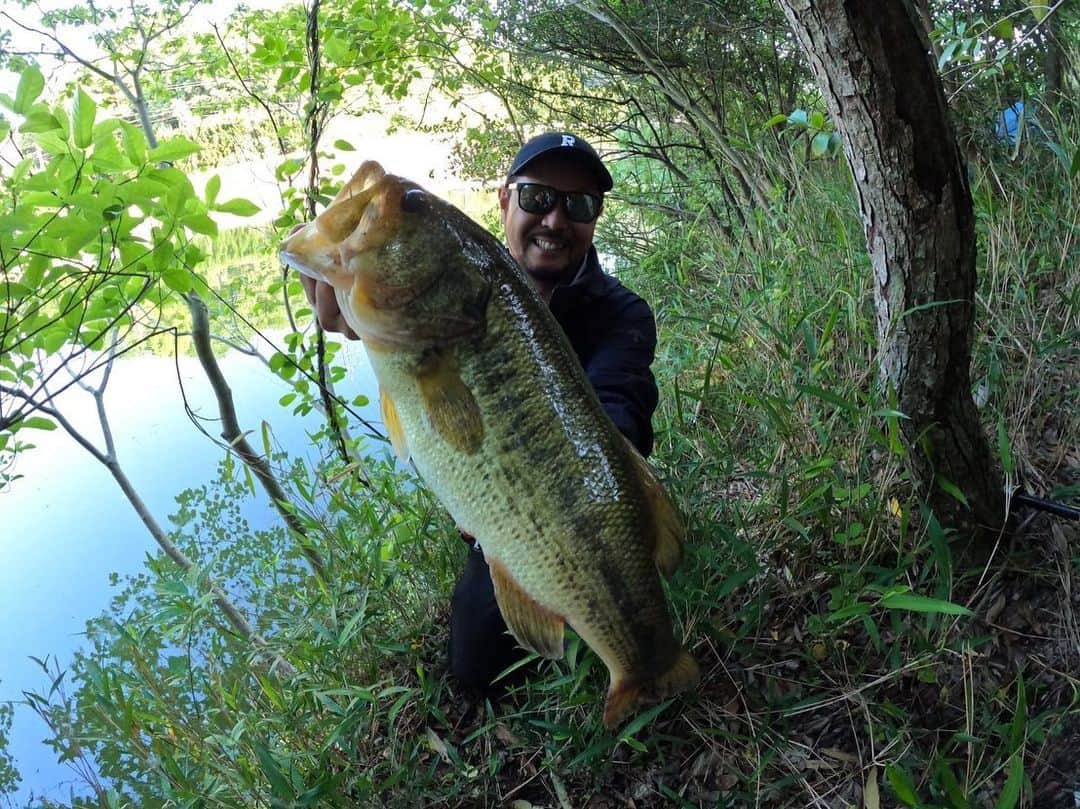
x: 451, y: 406
x: 534, y: 626
x: 670, y: 533
x: 393, y: 426
x: 624, y: 696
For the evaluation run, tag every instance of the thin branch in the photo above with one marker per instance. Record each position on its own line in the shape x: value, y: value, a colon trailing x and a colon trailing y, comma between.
x: 231, y: 432
x: 262, y: 103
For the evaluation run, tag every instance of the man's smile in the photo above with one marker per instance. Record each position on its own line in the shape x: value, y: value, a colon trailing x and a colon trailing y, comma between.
x: 549, y: 244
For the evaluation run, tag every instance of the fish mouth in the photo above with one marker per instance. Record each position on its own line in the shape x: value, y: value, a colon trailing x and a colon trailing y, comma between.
x: 340, y: 247
x: 319, y: 248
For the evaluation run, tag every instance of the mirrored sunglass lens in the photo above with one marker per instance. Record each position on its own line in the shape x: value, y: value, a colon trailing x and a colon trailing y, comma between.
x: 581, y: 207
x: 536, y: 198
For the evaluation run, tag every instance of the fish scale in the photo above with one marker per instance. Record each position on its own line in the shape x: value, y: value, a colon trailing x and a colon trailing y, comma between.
x: 482, y: 390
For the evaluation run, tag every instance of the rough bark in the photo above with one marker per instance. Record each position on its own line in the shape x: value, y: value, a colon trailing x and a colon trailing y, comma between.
x: 872, y: 63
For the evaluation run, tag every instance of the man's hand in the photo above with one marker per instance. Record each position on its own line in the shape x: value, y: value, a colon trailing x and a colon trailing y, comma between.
x: 321, y: 297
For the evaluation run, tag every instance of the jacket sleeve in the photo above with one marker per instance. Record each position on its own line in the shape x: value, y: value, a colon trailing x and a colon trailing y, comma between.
x: 619, y: 372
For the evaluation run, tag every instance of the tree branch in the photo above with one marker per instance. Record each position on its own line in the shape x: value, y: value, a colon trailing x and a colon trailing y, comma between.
x: 230, y: 431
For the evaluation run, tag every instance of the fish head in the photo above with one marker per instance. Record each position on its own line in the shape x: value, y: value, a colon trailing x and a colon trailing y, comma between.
x: 408, y: 269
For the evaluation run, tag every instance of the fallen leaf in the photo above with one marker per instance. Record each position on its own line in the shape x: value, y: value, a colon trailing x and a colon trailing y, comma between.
x: 437, y: 745
x: 871, y: 800
x: 503, y: 734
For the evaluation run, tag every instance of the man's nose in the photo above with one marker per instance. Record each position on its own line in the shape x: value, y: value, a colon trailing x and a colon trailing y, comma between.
x: 556, y: 218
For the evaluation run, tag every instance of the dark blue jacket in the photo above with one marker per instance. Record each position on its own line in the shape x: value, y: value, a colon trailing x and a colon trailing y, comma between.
x: 614, y: 334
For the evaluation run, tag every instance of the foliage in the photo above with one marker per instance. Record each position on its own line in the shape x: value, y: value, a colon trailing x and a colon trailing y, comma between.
x: 847, y: 653
x: 97, y: 235
x: 9, y: 775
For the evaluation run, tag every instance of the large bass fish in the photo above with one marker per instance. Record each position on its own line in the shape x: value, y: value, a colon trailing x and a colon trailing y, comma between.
x: 481, y: 389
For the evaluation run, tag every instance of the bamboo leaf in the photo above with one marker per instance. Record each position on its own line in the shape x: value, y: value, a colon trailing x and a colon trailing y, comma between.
x: 1010, y: 794
x: 917, y: 603
x: 829, y: 396
x: 951, y: 488
x: 902, y: 785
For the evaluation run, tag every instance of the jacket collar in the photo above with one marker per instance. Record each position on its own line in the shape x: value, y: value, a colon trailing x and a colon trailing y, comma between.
x: 590, y: 282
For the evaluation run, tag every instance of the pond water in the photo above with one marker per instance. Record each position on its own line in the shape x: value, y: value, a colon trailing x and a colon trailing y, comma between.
x: 66, y: 526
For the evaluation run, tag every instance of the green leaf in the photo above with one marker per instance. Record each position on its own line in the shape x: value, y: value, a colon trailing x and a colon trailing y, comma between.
x: 1003, y: 28
x: 1074, y: 169
x: 947, y: 53
x: 238, y: 207
x: 946, y: 778
x: 40, y: 120
x: 828, y: 396
x: 173, y: 149
x: 83, y: 110
x: 642, y: 719
x: 1010, y: 794
x: 279, y: 784
x: 902, y: 785
x: 134, y: 144
x: 776, y: 120
x: 287, y: 168
x: 917, y: 603
x: 31, y: 83
x: 1039, y: 9
x: 178, y: 278
x: 799, y: 119
x: 213, y: 186
x: 951, y: 488
x: 200, y: 223
x: 107, y: 158
x: 819, y: 146
x: 36, y: 423
x: 344, y: 145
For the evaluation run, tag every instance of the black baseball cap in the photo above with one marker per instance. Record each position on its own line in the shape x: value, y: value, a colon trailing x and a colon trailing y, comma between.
x: 563, y: 142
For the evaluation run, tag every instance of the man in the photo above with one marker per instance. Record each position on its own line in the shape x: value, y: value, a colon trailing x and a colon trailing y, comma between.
x: 550, y: 202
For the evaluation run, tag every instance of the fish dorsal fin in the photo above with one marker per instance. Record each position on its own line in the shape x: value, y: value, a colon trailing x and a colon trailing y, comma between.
x: 668, y: 551
x: 535, y: 627
x: 450, y: 405
x: 393, y: 426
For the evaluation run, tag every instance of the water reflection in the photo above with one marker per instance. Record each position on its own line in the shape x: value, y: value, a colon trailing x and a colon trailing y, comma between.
x: 66, y: 526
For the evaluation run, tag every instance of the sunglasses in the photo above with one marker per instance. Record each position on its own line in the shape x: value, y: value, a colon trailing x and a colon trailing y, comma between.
x: 541, y: 199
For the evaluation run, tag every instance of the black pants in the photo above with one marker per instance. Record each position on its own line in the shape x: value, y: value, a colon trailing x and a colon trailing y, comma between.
x: 481, y: 647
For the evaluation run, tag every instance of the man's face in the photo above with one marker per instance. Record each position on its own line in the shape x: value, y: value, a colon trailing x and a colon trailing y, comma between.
x: 549, y: 246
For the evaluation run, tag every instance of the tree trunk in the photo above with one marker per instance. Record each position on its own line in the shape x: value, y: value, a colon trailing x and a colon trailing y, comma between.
x: 872, y: 63
x: 1053, y: 62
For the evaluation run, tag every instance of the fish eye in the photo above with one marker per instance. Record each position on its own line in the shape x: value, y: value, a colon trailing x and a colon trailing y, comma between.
x: 413, y: 200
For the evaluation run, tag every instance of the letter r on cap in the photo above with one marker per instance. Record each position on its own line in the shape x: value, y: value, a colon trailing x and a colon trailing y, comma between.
x: 568, y: 140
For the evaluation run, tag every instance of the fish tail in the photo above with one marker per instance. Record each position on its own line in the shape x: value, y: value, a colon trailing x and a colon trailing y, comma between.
x: 623, y: 696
